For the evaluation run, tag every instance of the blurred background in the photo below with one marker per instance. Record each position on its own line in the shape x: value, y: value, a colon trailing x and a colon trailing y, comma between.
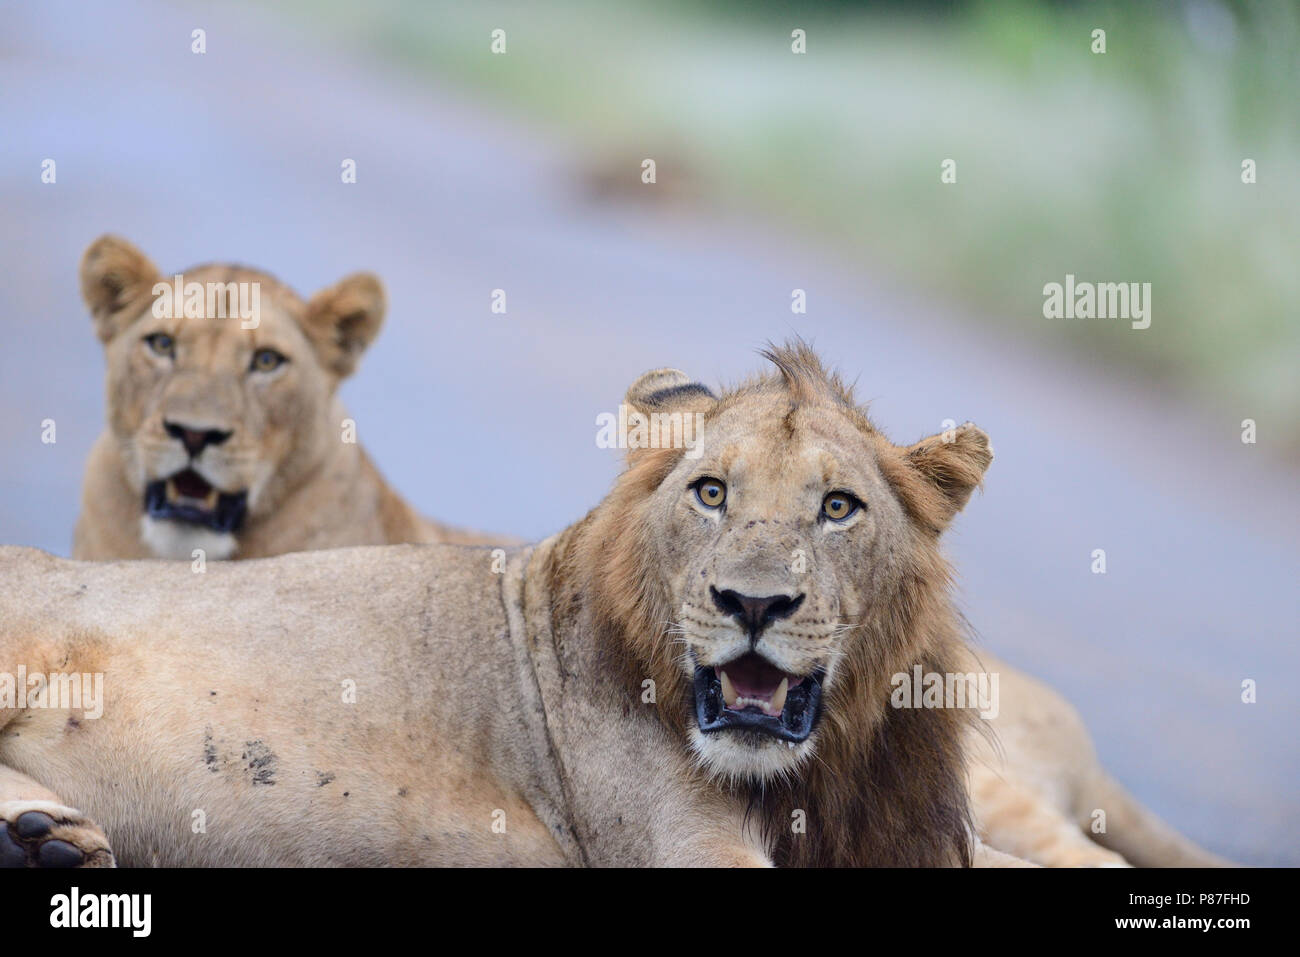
x: 775, y: 171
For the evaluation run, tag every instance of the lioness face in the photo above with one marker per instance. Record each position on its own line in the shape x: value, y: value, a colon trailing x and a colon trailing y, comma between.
x: 217, y: 413
x: 787, y: 534
x: 207, y: 414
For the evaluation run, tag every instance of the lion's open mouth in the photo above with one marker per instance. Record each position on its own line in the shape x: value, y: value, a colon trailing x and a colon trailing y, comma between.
x: 751, y: 693
x: 188, y: 497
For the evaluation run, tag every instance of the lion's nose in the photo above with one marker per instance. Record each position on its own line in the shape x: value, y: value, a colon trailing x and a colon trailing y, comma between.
x: 195, y: 440
x: 755, y: 614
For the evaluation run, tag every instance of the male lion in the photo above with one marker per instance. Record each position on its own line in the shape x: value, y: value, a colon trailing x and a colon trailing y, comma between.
x: 225, y: 432
x: 698, y: 672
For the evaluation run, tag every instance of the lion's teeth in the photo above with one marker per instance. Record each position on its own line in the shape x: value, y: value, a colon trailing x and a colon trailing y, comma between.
x: 728, y: 690
x: 778, y: 699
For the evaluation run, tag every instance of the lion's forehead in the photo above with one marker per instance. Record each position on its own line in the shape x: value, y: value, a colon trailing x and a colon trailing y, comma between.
x: 230, y: 335
x: 790, y: 450
x: 269, y: 287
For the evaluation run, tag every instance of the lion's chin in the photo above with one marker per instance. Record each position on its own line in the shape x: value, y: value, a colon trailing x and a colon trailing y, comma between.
x: 177, y: 540
x: 746, y: 757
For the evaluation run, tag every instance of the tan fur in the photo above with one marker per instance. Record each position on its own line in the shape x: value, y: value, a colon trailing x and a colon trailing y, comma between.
x: 521, y: 697
x: 308, y: 488
x: 1037, y: 786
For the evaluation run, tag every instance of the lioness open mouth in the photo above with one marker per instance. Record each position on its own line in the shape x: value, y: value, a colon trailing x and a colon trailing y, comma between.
x: 188, y: 497
x: 749, y: 692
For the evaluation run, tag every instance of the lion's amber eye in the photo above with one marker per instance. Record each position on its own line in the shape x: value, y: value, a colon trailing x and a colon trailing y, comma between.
x: 837, y: 506
x: 161, y: 344
x: 265, y: 360
x: 711, y: 492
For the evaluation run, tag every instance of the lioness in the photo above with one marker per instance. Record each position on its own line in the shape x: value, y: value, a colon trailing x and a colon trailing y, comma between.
x: 697, y: 672
x: 225, y: 432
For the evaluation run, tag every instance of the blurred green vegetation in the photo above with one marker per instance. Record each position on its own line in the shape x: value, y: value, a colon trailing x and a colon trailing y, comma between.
x: 1117, y: 167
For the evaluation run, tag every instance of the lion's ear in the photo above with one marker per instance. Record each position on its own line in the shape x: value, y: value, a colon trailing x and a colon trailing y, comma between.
x: 344, y: 319
x: 662, y: 407
x: 114, y: 277
x: 667, y: 390
x: 950, y: 466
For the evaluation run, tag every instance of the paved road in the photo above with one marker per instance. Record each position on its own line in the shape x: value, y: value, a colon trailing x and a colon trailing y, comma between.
x: 235, y: 155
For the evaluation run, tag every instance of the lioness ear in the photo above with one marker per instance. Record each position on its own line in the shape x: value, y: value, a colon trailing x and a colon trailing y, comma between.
x: 344, y: 319
x: 661, y: 411
x: 950, y: 466
x: 114, y: 276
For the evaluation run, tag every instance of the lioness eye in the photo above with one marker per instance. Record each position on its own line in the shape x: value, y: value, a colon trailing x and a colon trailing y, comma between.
x: 837, y: 506
x: 264, y: 360
x: 711, y: 492
x: 161, y: 344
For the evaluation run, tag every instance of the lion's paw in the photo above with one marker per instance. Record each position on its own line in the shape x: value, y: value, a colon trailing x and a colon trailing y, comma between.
x: 45, y: 834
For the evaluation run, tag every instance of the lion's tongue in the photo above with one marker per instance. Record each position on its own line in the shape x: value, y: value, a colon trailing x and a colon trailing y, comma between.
x: 750, y: 681
x: 190, y: 484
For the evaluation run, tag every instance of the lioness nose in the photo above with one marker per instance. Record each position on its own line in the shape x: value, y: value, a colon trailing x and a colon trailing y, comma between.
x: 755, y: 614
x: 195, y: 440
